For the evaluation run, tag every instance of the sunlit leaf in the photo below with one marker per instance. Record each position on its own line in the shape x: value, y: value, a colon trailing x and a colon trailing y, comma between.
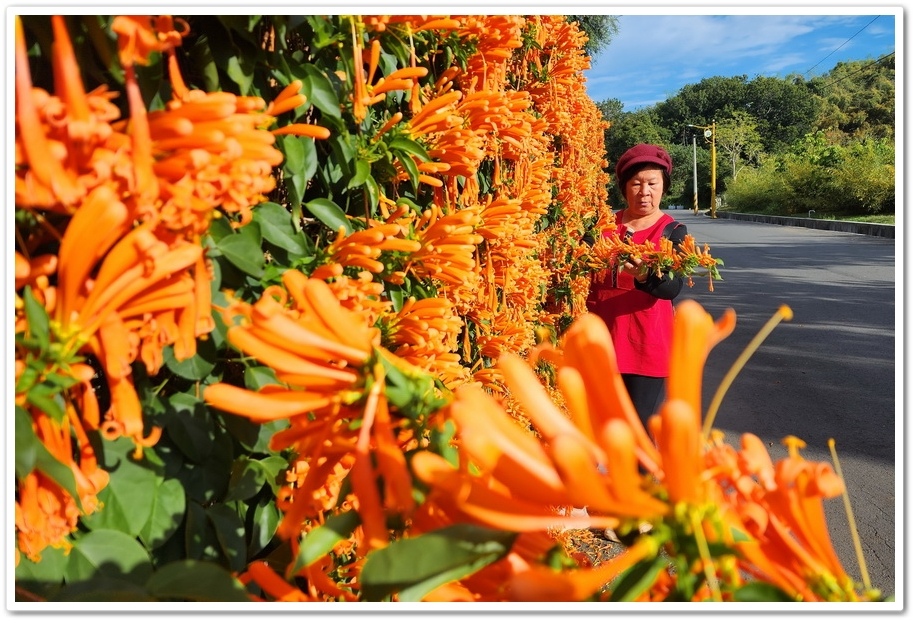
x: 330, y: 214
x: 51, y: 569
x: 265, y: 518
x: 168, y: 508
x: 277, y: 227
x: 37, y: 317
x: 257, y: 377
x: 322, y: 539
x: 319, y: 92
x: 413, y: 567
x: 404, y: 144
x: 360, y: 174
x: 126, y: 502
x: 108, y: 553
x: 413, y: 172
x: 243, y: 249
x: 372, y: 190
x: 31, y: 454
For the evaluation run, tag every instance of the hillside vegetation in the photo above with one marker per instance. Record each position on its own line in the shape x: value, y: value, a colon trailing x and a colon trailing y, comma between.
x: 783, y: 146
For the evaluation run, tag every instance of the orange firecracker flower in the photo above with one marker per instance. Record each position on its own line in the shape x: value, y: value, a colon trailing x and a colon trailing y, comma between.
x: 46, y: 513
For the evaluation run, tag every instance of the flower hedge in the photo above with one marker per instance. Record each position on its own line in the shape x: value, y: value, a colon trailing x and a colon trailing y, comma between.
x: 300, y: 317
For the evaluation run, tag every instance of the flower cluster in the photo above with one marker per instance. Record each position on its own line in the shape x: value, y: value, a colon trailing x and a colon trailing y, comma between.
x: 351, y: 329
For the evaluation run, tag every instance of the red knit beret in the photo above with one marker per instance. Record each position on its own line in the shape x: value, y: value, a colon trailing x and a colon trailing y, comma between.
x: 643, y: 153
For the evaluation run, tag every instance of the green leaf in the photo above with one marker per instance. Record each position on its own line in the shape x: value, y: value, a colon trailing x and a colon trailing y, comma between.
x: 168, y: 508
x: 31, y: 454
x: 760, y: 591
x: 402, y: 143
x: 246, y: 479
x: 360, y: 174
x: 230, y: 533
x: 37, y: 318
x: 320, y: 93
x: 414, y: 567
x: 219, y: 229
x: 103, y: 589
x: 329, y: 213
x: 126, y: 502
x: 413, y: 172
x: 197, y: 366
x: 410, y: 204
x: 273, y: 467
x: 47, y: 397
x: 265, y: 520
x: 322, y: 539
x: 239, y: 69
x: 372, y: 190
x: 199, y: 535
x: 204, y: 64
x: 396, y: 295
x: 108, y: 553
x: 309, y: 157
x: 293, y: 154
x: 277, y: 227
x: 636, y: 580
x: 254, y: 437
x: 29, y: 375
x: 194, y: 580
x: 257, y: 377
x: 190, y: 427
x: 51, y: 569
x: 243, y: 250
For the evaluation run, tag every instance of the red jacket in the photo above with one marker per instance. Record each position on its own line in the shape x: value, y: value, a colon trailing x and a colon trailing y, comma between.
x: 639, y: 317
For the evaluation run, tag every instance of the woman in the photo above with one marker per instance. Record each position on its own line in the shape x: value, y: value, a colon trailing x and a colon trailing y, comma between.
x: 635, y: 304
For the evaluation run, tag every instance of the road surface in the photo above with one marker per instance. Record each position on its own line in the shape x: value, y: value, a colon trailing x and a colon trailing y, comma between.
x: 833, y: 371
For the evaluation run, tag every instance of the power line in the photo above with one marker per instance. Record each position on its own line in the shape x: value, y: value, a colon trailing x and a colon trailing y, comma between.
x: 844, y: 43
x: 860, y: 70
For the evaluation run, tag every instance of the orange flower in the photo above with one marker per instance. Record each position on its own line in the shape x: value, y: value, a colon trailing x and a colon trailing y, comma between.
x: 109, y: 281
x: 46, y: 513
x: 448, y: 245
x: 326, y: 359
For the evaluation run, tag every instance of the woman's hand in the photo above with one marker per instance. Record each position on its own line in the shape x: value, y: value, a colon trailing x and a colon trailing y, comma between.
x: 635, y: 267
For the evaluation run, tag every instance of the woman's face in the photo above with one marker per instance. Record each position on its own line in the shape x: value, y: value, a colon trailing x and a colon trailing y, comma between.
x: 645, y: 189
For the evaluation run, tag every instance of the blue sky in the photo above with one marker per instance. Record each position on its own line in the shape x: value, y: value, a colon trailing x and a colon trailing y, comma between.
x: 653, y: 56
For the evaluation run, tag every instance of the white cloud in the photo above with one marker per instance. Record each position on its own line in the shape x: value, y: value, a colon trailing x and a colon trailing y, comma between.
x: 654, y: 56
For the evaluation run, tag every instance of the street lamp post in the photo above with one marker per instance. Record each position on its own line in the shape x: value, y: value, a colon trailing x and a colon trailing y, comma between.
x: 696, y: 208
x: 709, y: 133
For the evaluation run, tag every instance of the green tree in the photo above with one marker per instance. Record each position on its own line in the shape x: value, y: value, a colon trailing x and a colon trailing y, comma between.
x: 785, y: 109
x: 858, y: 99
x: 700, y: 103
x: 599, y: 28
x: 739, y: 140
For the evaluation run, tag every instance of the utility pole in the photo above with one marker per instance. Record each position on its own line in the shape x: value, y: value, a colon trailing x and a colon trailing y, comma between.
x: 710, y: 135
x: 696, y: 208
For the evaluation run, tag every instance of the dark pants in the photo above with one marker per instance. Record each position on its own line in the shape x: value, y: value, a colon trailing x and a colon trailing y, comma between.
x: 646, y: 392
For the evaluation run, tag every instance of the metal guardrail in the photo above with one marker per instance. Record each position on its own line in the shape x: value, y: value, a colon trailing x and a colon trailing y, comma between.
x: 853, y: 227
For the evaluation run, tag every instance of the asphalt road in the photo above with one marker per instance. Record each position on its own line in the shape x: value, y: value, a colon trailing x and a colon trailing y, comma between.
x: 828, y: 373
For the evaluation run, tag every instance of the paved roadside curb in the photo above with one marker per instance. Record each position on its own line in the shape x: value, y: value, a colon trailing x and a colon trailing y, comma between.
x: 867, y: 229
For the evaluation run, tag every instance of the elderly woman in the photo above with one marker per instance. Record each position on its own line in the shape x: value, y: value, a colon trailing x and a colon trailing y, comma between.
x: 635, y: 303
